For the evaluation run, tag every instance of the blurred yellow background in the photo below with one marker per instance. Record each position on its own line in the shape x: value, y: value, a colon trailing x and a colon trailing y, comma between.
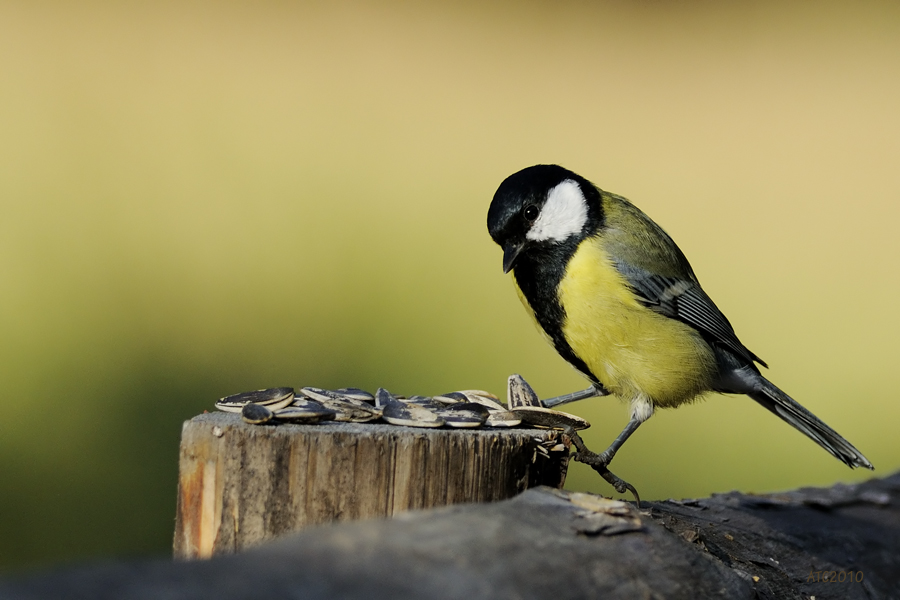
x: 202, y: 198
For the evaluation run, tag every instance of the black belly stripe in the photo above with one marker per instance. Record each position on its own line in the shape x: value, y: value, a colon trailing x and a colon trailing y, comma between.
x: 538, y: 273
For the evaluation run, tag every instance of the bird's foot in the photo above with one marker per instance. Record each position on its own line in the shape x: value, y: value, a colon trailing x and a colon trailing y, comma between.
x: 592, y: 459
x: 599, y: 463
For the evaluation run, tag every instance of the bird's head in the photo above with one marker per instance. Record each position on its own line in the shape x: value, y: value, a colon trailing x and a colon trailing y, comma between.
x: 540, y: 206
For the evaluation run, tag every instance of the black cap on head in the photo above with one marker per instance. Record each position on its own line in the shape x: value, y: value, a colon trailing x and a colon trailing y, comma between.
x: 528, y: 186
x: 515, y: 218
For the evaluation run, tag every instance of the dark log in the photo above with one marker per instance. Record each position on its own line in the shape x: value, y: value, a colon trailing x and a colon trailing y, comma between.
x: 841, y: 542
x: 241, y: 485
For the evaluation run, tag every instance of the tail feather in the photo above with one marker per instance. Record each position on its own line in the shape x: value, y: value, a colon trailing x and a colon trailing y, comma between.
x: 790, y: 411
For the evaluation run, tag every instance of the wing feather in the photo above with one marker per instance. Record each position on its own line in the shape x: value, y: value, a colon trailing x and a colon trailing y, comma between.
x: 685, y: 300
x: 661, y: 275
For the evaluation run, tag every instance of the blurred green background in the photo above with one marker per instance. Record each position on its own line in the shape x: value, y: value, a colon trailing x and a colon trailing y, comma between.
x: 201, y: 198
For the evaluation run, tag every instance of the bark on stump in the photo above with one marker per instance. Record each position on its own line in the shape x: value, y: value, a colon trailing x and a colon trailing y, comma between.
x: 240, y: 485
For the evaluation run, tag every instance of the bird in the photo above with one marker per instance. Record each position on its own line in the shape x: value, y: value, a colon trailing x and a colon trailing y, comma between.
x: 618, y: 300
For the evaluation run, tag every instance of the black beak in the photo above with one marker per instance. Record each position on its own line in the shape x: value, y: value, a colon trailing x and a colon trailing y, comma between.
x: 510, y: 252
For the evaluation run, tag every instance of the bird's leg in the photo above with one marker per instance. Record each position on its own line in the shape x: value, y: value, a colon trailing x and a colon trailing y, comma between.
x: 608, y: 454
x: 600, y: 462
x: 519, y: 388
x: 591, y: 392
x: 586, y: 456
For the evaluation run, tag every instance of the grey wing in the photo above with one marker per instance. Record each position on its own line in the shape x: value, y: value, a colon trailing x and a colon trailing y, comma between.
x: 685, y: 300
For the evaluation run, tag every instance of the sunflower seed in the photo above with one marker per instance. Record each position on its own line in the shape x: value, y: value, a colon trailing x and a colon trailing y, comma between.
x: 502, y: 418
x: 273, y: 398
x: 466, y: 414
x: 549, y: 418
x: 481, y: 393
x: 473, y: 407
x: 491, y: 404
x: 352, y: 411
x: 520, y: 394
x: 383, y: 398
x: 419, y: 400
x: 305, y: 414
x: 411, y: 415
x: 319, y: 395
x: 325, y: 396
x: 304, y: 402
x: 451, y: 398
x: 425, y: 402
x: 256, y: 414
x: 356, y: 394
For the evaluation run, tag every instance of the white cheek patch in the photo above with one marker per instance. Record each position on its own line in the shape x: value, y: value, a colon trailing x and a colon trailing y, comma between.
x: 564, y: 214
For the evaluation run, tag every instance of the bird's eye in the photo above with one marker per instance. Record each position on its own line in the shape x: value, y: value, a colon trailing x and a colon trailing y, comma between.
x: 531, y: 212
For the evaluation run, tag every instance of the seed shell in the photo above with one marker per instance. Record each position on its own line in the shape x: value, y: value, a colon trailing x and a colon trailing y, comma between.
x: 411, y: 415
x: 467, y: 415
x: 305, y: 414
x: 503, y: 418
x: 520, y: 394
x: 383, y: 398
x: 256, y: 414
x: 425, y: 402
x: 352, y: 411
x: 549, y: 418
x: 319, y: 394
x: 491, y: 404
x: 304, y: 402
x: 481, y: 393
x: 451, y: 398
x: 419, y: 399
x: 272, y: 397
x: 356, y: 394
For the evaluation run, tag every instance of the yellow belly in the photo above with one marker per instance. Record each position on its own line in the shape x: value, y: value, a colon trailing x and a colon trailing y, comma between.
x: 636, y: 353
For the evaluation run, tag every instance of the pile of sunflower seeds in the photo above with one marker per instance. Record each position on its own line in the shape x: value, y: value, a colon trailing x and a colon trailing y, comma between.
x: 464, y: 409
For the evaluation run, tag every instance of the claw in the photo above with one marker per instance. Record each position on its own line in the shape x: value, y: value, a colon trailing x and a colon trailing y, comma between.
x: 599, y: 463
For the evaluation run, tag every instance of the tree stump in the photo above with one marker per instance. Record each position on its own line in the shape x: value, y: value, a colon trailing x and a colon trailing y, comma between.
x: 240, y: 485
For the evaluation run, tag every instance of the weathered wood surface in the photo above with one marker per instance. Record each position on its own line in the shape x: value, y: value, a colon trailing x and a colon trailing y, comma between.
x: 240, y: 485
x: 546, y: 544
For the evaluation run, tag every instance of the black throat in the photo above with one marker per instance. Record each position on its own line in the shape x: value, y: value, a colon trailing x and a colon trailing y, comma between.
x: 540, y: 268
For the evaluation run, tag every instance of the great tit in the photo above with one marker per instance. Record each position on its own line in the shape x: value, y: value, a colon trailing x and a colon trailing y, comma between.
x: 619, y: 301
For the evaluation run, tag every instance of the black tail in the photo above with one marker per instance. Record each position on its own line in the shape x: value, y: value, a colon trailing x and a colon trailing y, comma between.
x: 768, y: 394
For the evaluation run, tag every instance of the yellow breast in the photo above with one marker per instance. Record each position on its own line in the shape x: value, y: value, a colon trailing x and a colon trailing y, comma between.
x: 635, y: 352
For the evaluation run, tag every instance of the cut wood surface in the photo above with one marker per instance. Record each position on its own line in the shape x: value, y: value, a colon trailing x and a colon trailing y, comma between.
x: 840, y: 542
x: 240, y: 484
